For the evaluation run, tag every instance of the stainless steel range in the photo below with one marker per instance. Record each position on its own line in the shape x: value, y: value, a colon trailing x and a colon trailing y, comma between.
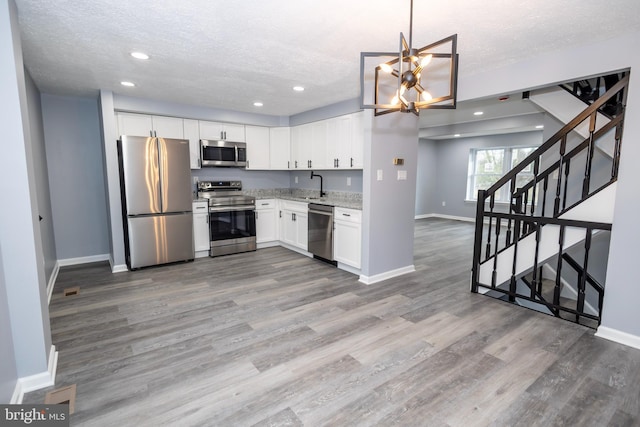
x: 232, y: 217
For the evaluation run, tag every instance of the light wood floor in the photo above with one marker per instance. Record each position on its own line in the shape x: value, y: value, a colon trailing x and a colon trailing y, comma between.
x: 273, y: 338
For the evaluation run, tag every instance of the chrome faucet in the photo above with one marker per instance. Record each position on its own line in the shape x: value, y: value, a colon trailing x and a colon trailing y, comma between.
x: 322, y: 193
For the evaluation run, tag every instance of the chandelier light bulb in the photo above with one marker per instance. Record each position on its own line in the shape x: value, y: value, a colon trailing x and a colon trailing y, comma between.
x: 386, y: 68
x: 426, y: 60
x: 426, y: 96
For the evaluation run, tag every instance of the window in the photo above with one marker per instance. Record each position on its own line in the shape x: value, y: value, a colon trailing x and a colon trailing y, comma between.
x: 487, y: 166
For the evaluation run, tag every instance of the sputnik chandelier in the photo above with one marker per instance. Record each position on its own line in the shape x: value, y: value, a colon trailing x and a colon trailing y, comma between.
x: 414, y: 79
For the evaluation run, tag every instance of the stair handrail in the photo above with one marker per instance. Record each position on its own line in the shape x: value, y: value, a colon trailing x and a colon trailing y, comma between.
x: 558, y: 135
x: 571, y: 154
x: 520, y: 221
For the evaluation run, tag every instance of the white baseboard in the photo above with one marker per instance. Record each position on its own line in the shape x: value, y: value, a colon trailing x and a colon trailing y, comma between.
x: 369, y: 280
x: 37, y: 381
x: 618, y: 336
x: 83, y: 260
x: 455, y: 218
x: 18, y: 394
x: 117, y: 268
x: 52, y: 281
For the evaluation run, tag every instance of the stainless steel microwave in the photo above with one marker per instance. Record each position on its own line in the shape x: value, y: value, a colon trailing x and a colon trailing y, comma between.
x: 223, y: 153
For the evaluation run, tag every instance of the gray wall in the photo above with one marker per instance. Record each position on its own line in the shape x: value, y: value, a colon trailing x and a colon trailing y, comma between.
x: 250, y: 179
x: 427, y: 184
x: 8, y: 370
x: 388, y: 204
x: 332, y: 180
x: 41, y: 174
x: 22, y: 262
x: 74, y: 156
x: 451, y: 168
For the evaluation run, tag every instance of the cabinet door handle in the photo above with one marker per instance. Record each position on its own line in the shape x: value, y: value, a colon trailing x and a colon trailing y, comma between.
x: 352, y: 162
x: 296, y: 163
x: 293, y: 217
x: 346, y: 214
x: 248, y: 164
x: 280, y: 214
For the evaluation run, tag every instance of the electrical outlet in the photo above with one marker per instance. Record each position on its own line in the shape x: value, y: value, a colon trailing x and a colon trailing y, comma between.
x: 296, y: 179
x: 444, y: 203
x: 379, y: 174
x: 348, y: 181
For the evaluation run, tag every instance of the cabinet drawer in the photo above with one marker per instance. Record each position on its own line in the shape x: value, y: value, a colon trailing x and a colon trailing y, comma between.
x: 348, y: 215
x: 265, y: 204
x: 200, y: 207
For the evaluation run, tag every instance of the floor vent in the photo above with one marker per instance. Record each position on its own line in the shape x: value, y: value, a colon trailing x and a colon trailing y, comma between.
x: 71, y: 291
x: 64, y: 395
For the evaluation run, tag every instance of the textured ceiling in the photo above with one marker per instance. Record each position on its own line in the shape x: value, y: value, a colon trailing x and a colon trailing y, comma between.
x: 229, y: 53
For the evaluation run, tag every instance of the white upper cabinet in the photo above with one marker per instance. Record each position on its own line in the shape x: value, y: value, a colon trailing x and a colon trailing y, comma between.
x: 222, y: 131
x: 318, y: 158
x: 192, y: 133
x: 258, y: 155
x: 168, y: 127
x: 145, y: 125
x: 301, y: 140
x: 339, y: 142
x: 280, y: 148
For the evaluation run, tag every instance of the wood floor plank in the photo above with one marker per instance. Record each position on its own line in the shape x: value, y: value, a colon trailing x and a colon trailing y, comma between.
x: 273, y: 337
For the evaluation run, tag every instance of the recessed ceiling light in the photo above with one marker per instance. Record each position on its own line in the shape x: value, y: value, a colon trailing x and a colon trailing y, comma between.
x: 258, y: 104
x: 478, y: 113
x: 540, y: 127
x: 139, y: 55
x: 457, y: 135
x: 128, y: 84
x: 298, y: 88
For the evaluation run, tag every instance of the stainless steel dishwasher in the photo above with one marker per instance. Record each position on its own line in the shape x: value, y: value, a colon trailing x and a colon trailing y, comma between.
x: 320, y: 242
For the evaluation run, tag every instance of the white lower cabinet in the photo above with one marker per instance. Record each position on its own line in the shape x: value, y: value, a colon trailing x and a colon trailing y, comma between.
x: 347, y: 236
x: 266, y: 221
x: 294, y: 223
x: 201, y: 228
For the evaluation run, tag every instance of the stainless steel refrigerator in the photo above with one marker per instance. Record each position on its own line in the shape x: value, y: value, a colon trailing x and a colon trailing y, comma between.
x: 155, y: 181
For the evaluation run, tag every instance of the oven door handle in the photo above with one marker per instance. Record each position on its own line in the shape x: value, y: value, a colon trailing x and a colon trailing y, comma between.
x: 231, y: 208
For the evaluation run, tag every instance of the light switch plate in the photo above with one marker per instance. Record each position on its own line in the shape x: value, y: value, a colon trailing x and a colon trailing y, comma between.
x: 402, y: 175
x: 296, y: 179
x: 348, y: 181
x: 379, y: 174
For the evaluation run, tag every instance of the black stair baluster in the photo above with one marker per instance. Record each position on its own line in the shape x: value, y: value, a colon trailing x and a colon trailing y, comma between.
x: 558, y: 287
x: 477, y: 246
x: 566, y: 182
x: 587, y: 169
x: 535, y: 261
x: 616, y: 153
x: 583, y: 276
x: 563, y: 147
x: 488, y: 248
x: 511, y: 190
x: 512, y: 282
x: 545, y: 187
x: 494, y: 273
x: 536, y: 170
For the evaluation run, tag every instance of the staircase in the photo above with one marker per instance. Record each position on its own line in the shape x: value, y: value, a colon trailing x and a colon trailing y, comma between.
x: 522, y: 249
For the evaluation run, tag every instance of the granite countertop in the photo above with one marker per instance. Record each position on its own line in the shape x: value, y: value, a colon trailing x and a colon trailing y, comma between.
x: 340, y: 199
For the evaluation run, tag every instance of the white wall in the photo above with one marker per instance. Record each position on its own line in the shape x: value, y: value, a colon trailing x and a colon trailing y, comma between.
x: 74, y: 156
